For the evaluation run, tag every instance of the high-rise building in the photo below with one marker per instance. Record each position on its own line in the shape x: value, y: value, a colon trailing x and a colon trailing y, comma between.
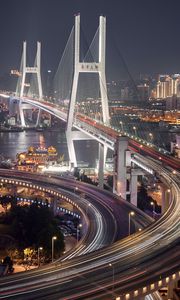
x: 168, y: 86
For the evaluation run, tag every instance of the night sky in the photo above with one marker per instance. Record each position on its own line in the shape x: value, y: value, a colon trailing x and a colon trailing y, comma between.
x: 146, y: 32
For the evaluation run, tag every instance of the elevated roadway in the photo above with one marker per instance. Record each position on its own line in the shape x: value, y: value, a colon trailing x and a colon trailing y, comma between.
x: 127, y: 269
x: 139, y: 264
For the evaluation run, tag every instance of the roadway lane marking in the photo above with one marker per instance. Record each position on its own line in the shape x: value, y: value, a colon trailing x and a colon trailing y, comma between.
x: 24, y: 291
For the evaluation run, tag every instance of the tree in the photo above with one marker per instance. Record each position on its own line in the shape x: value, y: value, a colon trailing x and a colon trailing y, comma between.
x: 34, y: 226
x: 8, y: 261
x: 5, y: 201
x: 144, y: 199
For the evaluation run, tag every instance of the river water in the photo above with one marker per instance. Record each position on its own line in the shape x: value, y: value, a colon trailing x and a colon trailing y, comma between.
x: 12, y: 143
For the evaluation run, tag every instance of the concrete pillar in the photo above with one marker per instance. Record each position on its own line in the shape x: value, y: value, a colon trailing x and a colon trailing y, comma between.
x: 101, y: 165
x: 71, y: 149
x: 21, y: 114
x: 54, y: 206
x: 133, y: 184
x: 120, y: 173
x: 133, y: 188
x: 38, y: 118
x: 171, y: 286
x: 165, y: 198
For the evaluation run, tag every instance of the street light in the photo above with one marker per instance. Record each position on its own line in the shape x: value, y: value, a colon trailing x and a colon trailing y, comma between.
x: 134, y: 128
x: 39, y: 249
x: 77, y: 232
x: 151, y: 135
x: 121, y: 123
x: 89, y: 205
x: 111, y: 266
x: 131, y: 214
x: 75, y: 189
x: 153, y: 206
x: 53, y: 239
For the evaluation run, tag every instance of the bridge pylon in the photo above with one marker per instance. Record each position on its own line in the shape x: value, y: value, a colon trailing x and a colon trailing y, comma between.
x: 24, y: 70
x: 87, y: 67
x: 36, y: 69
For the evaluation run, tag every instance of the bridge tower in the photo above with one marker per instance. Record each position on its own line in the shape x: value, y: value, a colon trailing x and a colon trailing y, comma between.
x: 87, y: 67
x: 36, y: 69
x: 31, y: 70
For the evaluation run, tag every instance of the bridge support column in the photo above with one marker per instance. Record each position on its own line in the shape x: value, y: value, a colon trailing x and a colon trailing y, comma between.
x: 120, y: 172
x: 133, y: 184
x: 102, y: 155
x: 54, y: 206
x: 133, y: 189
x: 171, y: 286
x: 21, y: 114
x: 165, y: 198
x: 38, y: 117
x: 71, y: 150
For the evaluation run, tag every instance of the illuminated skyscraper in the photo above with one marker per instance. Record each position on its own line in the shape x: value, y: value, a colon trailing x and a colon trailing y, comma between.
x: 168, y: 86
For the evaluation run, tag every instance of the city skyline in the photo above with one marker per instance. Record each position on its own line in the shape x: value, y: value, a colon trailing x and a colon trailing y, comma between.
x: 145, y: 34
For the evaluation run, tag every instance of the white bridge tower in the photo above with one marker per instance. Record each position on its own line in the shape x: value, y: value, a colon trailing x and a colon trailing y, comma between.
x: 29, y: 70
x: 88, y: 67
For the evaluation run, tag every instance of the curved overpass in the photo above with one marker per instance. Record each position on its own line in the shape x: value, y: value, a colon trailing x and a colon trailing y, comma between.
x: 139, y: 264
x: 152, y: 257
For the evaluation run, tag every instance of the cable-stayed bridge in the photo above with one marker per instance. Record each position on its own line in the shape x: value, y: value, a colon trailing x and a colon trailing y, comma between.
x: 83, y: 104
x: 80, y: 99
x: 80, y: 72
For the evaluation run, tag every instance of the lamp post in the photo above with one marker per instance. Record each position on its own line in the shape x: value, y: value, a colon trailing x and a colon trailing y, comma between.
x: 153, y: 206
x: 39, y: 249
x: 89, y: 205
x: 75, y: 189
x: 48, y: 82
x: 111, y: 266
x: 134, y: 128
x: 131, y: 214
x: 121, y: 123
x: 53, y: 239
x: 77, y: 232
x: 151, y: 135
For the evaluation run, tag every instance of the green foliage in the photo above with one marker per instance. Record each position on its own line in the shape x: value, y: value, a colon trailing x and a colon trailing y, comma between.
x: 5, y: 201
x: 8, y: 261
x: 34, y: 226
x: 144, y: 199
